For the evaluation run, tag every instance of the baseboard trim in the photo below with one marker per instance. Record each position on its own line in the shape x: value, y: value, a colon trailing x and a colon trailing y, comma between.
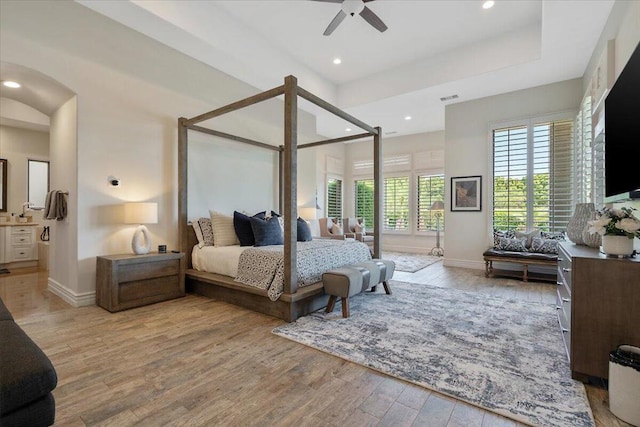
x: 70, y: 297
x: 476, y: 265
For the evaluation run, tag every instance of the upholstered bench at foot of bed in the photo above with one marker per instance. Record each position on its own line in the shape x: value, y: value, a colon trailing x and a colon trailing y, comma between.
x: 350, y: 280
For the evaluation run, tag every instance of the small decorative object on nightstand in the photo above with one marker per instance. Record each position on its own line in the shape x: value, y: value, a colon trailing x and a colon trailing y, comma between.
x: 141, y: 213
x: 128, y: 281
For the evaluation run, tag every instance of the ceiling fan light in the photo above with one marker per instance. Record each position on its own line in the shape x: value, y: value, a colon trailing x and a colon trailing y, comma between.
x: 488, y: 4
x: 337, y: 61
x: 351, y: 7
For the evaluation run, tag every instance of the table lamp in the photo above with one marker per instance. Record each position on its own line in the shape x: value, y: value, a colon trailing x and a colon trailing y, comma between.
x: 438, y: 207
x: 141, y: 213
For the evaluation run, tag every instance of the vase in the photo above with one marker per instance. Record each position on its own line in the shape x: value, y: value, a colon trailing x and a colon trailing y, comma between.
x: 577, y: 223
x: 617, y: 245
x: 593, y: 240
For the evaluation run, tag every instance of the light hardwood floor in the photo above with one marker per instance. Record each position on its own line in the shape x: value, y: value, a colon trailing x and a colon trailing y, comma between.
x: 196, y: 361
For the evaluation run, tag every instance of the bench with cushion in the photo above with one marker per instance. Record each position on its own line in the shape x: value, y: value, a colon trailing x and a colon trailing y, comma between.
x: 526, y: 249
x: 350, y: 280
x: 27, y: 378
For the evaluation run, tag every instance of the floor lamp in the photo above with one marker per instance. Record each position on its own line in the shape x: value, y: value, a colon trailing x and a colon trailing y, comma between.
x: 438, y: 207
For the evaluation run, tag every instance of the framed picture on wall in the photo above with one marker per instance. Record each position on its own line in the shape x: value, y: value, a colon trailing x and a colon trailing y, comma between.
x: 466, y: 193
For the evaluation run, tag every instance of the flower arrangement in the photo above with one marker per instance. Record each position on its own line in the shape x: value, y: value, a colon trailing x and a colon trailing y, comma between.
x: 616, y: 222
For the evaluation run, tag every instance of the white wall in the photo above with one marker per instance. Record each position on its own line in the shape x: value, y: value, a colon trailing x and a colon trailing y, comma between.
x: 18, y: 146
x: 130, y: 92
x: 410, y: 241
x: 468, y: 152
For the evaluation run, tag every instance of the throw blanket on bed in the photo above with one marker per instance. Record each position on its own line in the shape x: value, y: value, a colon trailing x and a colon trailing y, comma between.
x: 263, y: 267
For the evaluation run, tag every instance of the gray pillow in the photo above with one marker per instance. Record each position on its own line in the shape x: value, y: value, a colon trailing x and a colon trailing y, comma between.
x: 304, y: 232
x: 513, y: 245
x: 266, y: 232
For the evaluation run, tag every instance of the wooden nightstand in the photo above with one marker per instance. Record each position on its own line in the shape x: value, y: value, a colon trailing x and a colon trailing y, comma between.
x: 128, y: 281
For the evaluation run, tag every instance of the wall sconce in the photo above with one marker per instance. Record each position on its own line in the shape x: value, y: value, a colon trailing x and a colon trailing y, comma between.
x: 141, y: 213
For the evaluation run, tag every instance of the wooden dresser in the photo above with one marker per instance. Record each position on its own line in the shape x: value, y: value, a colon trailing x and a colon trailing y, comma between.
x: 128, y: 281
x: 598, y: 303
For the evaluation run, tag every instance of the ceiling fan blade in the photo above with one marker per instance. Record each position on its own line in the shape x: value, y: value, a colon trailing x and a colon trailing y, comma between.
x: 373, y: 19
x: 335, y: 22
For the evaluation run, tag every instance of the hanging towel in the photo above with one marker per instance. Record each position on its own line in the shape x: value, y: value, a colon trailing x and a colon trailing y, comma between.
x: 48, y: 212
x: 61, y: 206
x: 55, y: 206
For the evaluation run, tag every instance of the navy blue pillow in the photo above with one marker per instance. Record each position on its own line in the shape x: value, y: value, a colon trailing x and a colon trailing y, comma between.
x: 266, y: 232
x: 304, y: 232
x: 243, y: 229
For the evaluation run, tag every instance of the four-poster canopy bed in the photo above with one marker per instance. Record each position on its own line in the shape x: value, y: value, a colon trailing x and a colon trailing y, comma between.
x: 294, y: 301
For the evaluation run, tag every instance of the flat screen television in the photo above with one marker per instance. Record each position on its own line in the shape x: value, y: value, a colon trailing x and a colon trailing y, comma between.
x: 622, y: 134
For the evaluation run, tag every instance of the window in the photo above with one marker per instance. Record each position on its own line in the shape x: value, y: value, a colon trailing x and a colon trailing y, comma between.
x: 396, y: 203
x: 430, y: 190
x: 533, y: 176
x: 334, y: 198
x: 38, y: 184
x: 364, y: 202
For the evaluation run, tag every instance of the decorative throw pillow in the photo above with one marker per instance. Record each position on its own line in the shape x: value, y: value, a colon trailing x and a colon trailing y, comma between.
x: 304, y: 232
x: 204, y: 232
x: 552, y: 236
x: 266, y: 231
x: 242, y: 226
x: 529, y: 235
x: 513, y: 245
x: 544, y: 246
x: 358, y: 228
x: 509, y: 234
x: 224, y: 234
x: 336, y: 229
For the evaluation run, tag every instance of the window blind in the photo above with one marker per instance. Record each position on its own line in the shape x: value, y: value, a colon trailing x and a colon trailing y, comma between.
x: 533, y: 176
x: 364, y: 202
x: 396, y: 203
x: 334, y: 198
x: 430, y: 189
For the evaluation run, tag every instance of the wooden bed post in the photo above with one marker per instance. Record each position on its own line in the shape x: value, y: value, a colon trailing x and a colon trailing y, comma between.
x: 182, y: 184
x: 290, y: 184
x: 377, y: 193
x: 281, y: 179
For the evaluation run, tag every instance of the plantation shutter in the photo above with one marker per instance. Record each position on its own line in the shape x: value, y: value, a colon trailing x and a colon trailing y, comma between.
x: 334, y: 198
x: 364, y: 201
x: 430, y: 190
x: 396, y: 203
x: 561, y: 165
x: 510, y: 178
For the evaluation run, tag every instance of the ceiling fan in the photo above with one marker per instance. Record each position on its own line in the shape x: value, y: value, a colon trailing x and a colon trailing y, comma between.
x: 351, y: 7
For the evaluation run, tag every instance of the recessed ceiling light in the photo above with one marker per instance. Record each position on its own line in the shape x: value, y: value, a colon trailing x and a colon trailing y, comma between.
x: 337, y: 61
x: 348, y: 129
x: 407, y: 118
x: 488, y: 4
x: 11, y: 84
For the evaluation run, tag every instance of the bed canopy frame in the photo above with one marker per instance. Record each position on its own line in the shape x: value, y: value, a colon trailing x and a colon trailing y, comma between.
x: 287, y: 166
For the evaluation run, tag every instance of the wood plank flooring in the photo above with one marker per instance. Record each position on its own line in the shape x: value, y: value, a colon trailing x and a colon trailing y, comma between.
x: 195, y: 361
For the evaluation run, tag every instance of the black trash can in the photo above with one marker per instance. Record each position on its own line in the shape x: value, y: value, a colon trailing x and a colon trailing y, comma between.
x: 624, y: 383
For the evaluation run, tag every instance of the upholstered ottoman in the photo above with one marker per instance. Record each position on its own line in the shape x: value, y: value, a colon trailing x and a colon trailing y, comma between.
x: 345, y: 282
x: 387, y: 268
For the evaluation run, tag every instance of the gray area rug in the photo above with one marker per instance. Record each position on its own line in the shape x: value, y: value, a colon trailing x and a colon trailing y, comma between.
x: 410, y: 263
x: 503, y: 355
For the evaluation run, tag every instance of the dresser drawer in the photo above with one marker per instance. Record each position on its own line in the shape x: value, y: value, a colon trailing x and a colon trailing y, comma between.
x: 21, y: 239
x: 564, y: 269
x: 563, y: 301
x: 21, y: 253
x: 148, y: 270
x: 565, y: 330
x: 21, y: 230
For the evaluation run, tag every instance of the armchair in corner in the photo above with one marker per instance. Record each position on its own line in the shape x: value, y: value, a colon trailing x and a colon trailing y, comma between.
x: 356, y: 227
x: 331, y: 229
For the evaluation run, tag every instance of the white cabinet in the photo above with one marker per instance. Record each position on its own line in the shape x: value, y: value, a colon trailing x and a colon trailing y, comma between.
x: 18, y: 243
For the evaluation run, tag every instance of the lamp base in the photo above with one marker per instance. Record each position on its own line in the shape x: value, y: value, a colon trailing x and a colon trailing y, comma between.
x: 437, y: 251
x: 141, y: 242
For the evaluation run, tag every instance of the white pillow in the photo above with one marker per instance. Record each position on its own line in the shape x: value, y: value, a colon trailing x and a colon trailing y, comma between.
x: 314, y: 226
x: 224, y: 234
x: 358, y: 228
x: 336, y: 229
x: 196, y: 228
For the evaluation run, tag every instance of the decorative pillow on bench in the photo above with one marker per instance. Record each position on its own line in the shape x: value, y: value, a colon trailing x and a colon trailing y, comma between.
x: 512, y: 245
x: 544, y: 246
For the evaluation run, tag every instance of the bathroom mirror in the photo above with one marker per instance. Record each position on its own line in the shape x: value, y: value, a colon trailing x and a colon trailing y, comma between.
x: 3, y: 185
x: 38, y: 185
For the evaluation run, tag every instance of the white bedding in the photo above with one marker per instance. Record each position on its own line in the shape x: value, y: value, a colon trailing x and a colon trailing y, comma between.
x: 217, y: 259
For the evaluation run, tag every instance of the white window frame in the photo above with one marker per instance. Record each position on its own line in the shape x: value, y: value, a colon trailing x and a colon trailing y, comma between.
x: 326, y: 183
x: 410, y: 202
x: 415, y: 212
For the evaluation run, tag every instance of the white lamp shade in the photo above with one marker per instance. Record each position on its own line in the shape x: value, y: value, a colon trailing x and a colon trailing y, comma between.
x: 141, y: 213
x: 307, y: 213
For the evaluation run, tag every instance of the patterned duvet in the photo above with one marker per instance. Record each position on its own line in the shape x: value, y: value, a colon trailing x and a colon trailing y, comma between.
x: 263, y: 267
